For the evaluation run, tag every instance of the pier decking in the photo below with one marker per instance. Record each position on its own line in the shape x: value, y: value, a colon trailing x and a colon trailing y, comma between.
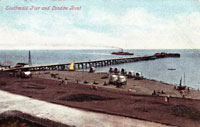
x: 95, y: 63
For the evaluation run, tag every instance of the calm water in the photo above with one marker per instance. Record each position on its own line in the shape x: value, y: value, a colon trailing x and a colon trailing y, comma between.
x: 188, y: 63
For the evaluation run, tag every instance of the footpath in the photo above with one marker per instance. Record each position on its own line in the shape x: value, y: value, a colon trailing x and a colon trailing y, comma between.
x: 67, y: 115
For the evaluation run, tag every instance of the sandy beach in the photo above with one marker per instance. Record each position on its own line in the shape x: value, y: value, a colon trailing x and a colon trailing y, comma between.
x: 140, y: 87
x: 137, y: 103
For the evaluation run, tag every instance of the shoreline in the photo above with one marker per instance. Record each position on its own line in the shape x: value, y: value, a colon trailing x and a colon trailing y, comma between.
x: 141, y: 87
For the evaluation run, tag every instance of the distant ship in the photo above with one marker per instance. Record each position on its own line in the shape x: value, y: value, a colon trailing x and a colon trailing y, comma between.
x: 121, y: 53
x: 171, y: 69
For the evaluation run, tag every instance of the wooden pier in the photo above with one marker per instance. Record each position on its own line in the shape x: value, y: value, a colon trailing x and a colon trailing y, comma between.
x: 95, y: 63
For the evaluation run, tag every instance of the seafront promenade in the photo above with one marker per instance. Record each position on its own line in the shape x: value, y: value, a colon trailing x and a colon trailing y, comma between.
x: 66, y: 115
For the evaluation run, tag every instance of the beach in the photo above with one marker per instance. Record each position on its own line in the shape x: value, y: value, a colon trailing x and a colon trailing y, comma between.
x: 134, y: 100
x: 140, y: 87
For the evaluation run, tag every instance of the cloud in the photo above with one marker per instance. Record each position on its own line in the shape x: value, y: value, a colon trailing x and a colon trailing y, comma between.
x: 135, y: 29
x: 74, y: 39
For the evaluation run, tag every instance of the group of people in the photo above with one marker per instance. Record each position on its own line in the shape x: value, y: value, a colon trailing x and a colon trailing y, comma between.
x: 166, y: 98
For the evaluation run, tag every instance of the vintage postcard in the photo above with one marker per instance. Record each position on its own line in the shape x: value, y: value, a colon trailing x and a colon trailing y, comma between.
x: 99, y: 63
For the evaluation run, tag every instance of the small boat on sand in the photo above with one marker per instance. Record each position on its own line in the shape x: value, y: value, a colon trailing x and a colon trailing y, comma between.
x: 181, y: 87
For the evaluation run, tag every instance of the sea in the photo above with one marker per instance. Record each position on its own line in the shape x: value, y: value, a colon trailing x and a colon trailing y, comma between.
x: 168, y: 70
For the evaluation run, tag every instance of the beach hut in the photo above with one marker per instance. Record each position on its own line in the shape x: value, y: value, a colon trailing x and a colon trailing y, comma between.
x: 27, y: 74
x: 111, y: 70
x: 113, y: 79
x: 138, y: 76
x: 122, y: 80
x: 116, y: 71
x: 130, y: 74
x: 92, y: 69
x: 123, y: 71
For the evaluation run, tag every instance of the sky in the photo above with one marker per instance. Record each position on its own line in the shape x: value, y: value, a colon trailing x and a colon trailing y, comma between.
x: 100, y: 24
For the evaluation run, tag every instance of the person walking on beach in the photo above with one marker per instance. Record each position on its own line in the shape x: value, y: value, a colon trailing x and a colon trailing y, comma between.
x: 167, y: 99
x: 188, y: 89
